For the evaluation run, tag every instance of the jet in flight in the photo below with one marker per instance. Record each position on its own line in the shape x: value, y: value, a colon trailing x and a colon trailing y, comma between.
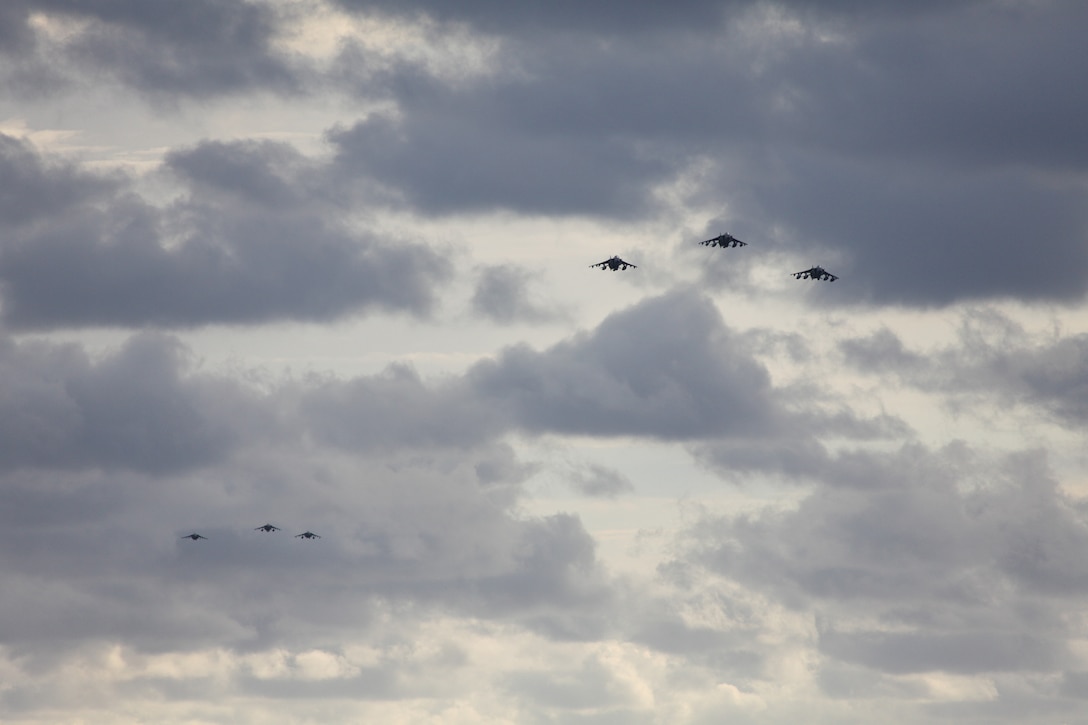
x: 613, y: 264
x: 307, y: 535
x: 817, y: 273
x: 194, y: 537
x: 267, y: 527
x: 724, y: 240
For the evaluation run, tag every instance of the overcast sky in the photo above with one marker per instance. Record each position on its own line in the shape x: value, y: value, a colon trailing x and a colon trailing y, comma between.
x: 325, y: 264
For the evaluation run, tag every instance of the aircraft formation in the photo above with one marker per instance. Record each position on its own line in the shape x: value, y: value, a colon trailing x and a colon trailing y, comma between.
x: 267, y: 528
x: 722, y: 240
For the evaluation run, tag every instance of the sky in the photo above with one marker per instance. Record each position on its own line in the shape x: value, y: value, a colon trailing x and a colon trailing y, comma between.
x: 325, y: 264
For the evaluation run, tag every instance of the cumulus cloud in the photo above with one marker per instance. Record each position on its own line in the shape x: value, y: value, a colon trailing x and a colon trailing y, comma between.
x: 139, y: 408
x: 253, y: 242
x: 822, y: 566
x: 926, y: 565
x: 667, y: 368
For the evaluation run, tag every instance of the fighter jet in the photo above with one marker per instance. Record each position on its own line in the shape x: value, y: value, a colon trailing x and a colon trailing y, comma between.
x: 307, y: 535
x: 817, y: 273
x: 194, y: 537
x: 613, y: 264
x: 267, y: 527
x: 724, y: 240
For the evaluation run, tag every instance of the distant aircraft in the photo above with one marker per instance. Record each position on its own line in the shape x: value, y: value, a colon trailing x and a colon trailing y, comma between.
x: 194, y: 537
x: 307, y: 535
x: 613, y: 264
x: 817, y: 273
x: 724, y: 240
x: 267, y: 527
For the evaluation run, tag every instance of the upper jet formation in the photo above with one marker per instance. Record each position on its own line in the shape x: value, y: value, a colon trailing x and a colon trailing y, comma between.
x: 724, y: 240
x: 817, y: 273
x: 613, y: 264
x: 194, y: 537
x: 267, y: 527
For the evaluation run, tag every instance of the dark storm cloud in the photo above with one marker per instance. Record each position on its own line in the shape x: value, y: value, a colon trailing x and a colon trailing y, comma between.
x: 612, y: 17
x: 138, y: 408
x: 35, y: 186
x: 166, y: 49
x: 880, y: 138
x: 932, y: 236
x: 952, y: 560
x: 566, y: 15
x: 263, y: 173
x: 461, y: 158
x: 257, y: 240
x: 15, y: 33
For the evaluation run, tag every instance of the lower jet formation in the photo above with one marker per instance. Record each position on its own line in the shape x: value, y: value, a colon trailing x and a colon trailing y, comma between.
x: 724, y: 240
x: 194, y: 537
x: 613, y: 264
x: 817, y: 273
x: 307, y: 535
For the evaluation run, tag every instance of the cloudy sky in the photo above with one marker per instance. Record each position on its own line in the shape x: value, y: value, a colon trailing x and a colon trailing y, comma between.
x: 325, y: 264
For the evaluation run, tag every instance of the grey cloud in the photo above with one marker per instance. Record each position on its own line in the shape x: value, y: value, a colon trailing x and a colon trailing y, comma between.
x: 608, y: 17
x: 417, y: 531
x: 532, y: 17
x: 591, y: 685
x: 15, y: 33
x: 264, y: 173
x: 932, y: 236
x: 882, y: 350
x: 926, y: 204
x: 994, y: 359
x: 452, y: 158
x: 966, y: 652
x: 939, y: 87
x: 139, y: 408
x: 667, y: 368
x: 957, y: 565
x: 594, y: 480
x: 202, y: 48
x: 503, y: 296
x: 397, y: 409
x: 35, y: 186
x: 283, y: 253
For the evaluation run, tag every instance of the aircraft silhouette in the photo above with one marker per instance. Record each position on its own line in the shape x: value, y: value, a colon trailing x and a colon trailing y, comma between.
x: 817, y: 273
x: 194, y: 537
x: 724, y: 240
x: 613, y: 264
x: 307, y: 535
x: 267, y: 527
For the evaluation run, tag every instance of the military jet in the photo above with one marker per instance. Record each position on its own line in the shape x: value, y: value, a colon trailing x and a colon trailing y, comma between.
x: 267, y: 527
x: 817, y: 273
x: 613, y: 264
x: 724, y: 240
x: 194, y: 537
x: 307, y: 535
